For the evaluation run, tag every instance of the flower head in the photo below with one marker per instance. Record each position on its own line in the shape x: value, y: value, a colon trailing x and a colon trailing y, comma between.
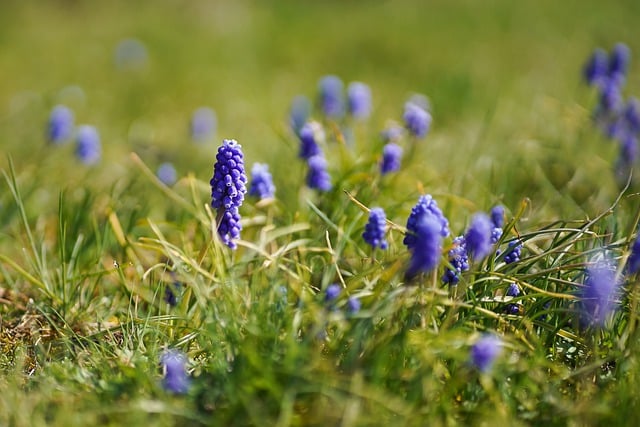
x: 458, y: 259
x: 203, y: 124
x: 633, y: 263
x: 317, y: 175
x: 88, y: 148
x: 619, y: 60
x: 596, y: 69
x: 426, y: 206
x: 176, y: 378
x: 167, y: 174
x: 513, y: 291
x: 375, y: 229
x: 485, y: 351
x: 331, y: 98
x: 359, y: 100
x: 417, y: 120
x: 478, y: 236
x: 299, y: 112
x: 228, y: 186
x: 353, y: 305
x: 598, y: 294
x: 310, y: 135
x: 513, y: 252
x: 60, y: 126
x: 497, y: 216
x: 332, y: 293
x: 391, y: 157
x: 427, y: 246
x: 261, y: 182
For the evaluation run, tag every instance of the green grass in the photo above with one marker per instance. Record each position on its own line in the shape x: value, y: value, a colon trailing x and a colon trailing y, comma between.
x: 87, y: 253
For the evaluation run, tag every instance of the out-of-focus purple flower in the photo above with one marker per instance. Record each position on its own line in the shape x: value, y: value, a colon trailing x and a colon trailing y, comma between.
x: 317, y: 175
x: 619, y: 60
x: 261, y: 182
x: 167, y: 174
x: 497, y: 216
x: 228, y: 187
x: 310, y: 136
x: 331, y: 97
x: 458, y: 259
x: 427, y: 247
x: 416, y: 119
x: 332, y: 293
x: 203, y: 124
x: 513, y: 252
x: 596, y: 69
x: 130, y: 54
x: 392, y: 133
x: 353, y: 305
x: 426, y: 206
x: 478, y: 237
x: 632, y: 115
x: 391, y: 158
x: 513, y: 291
x: 359, y: 100
x: 88, y: 147
x: 627, y: 157
x: 485, y: 351
x: 610, y: 98
x: 633, y: 263
x: 374, y: 231
x: 599, y: 292
x: 176, y: 379
x: 299, y: 112
x: 60, y: 126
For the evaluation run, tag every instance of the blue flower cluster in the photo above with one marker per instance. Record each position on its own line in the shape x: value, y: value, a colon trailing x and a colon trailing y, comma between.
x: 513, y: 252
x: 261, y: 182
x: 417, y: 120
x: 458, y: 259
x: 391, y: 158
x: 599, y: 292
x: 485, y: 351
x: 176, y: 379
x: 167, y: 174
x: 633, y: 263
x: 359, y: 100
x: 426, y: 248
x: 228, y: 187
x: 375, y: 229
x: 478, y: 237
x: 88, y: 147
x: 60, y: 126
x: 311, y: 134
x: 513, y: 291
x: 317, y: 176
x: 330, y: 96
x: 426, y: 206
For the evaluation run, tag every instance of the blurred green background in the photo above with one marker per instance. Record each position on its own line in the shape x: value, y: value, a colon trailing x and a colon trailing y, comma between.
x: 495, y: 71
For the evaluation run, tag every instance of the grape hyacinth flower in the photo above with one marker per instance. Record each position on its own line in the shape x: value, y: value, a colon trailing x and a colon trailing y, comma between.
x: 353, y: 305
x: 416, y: 119
x: 332, y: 293
x: 458, y: 259
x: 310, y: 136
x: 359, y: 100
x: 513, y: 291
x: 427, y: 246
x: 497, y: 216
x: 619, y: 61
x: 203, y: 124
x: 176, y: 378
x: 392, y: 133
x: 167, y: 174
x: 261, y: 182
x: 496, y: 233
x: 60, y: 126
x: 632, y: 115
x: 391, y: 157
x: 330, y: 96
x: 299, y: 113
x: 88, y: 148
x: 633, y: 263
x: 596, y: 70
x: 375, y: 229
x: 598, y: 295
x: 627, y: 157
x: 228, y: 186
x: 478, y: 237
x: 513, y: 252
x: 426, y: 206
x: 317, y: 177
x: 485, y: 351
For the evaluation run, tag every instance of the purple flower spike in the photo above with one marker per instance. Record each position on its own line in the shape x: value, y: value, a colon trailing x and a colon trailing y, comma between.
x: 261, y: 182
x: 203, y: 124
x: 632, y: 115
x: 619, y: 60
x: 416, y: 119
x: 513, y: 252
x: 426, y: 206
x: 332, y: 293
x: 353, y: 305
x: 598, y: 294
x: 391, y: 158
x: 375, y: 229
x: 427, y: 247
x: 458, y: 259
x: 497, y: 216
x: 176, y: 378
x: 359, y: 100
x: 228, y: 187
x: 310, y: 135
x: 167, y: 174
x: 485, y: 351
x: 88, y: 148
x: 633, y: 263
x: 60, y: 126
x: 478, y: 237
x: 596, y: 69
x: 317, y: 176
x: 611, y: 97
x: 513, y: 291
x: 331, y: 98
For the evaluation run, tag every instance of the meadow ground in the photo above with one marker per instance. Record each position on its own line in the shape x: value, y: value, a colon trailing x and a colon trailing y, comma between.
x: 120, y: 304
